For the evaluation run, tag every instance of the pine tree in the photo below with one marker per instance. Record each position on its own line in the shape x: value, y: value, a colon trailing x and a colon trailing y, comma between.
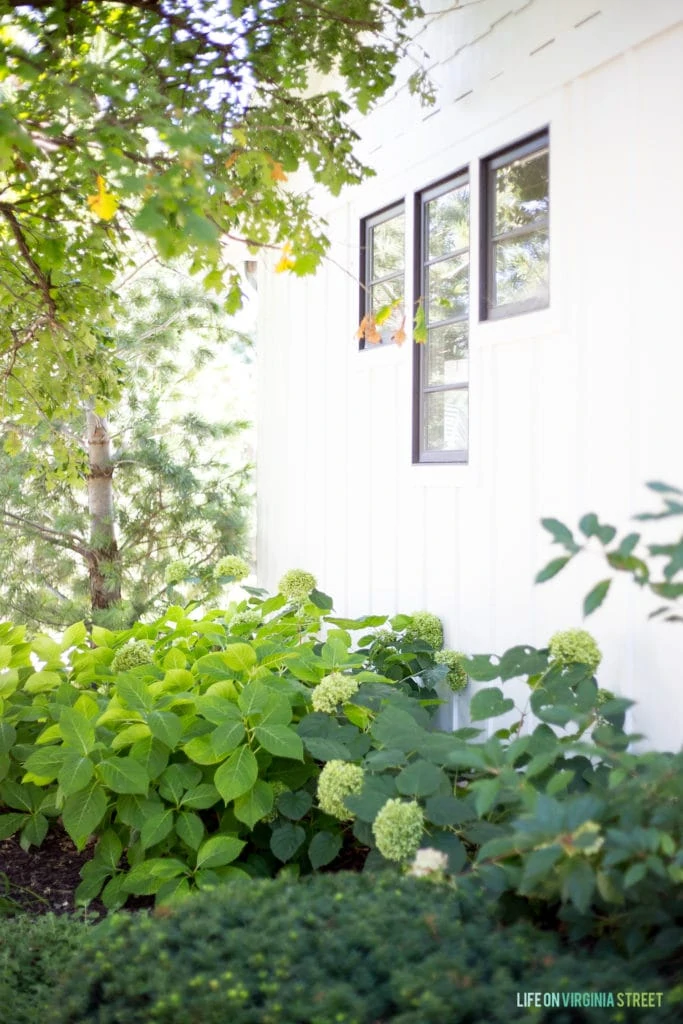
x: 157, y: 481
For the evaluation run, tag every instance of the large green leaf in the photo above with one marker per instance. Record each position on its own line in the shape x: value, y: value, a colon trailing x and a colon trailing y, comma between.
x: 254, y: 698
x: 236, y: 775
x: 239, y: 657
x: 254, y: 805
x: 165, y: 726
x: 11, y: 823
x: 8, y: 735
x: 124, y: 775
x: 219, y: 850
x: 226, y: 737
x: 77, y: 730
x: 323, y: 848
x: 75, y: 773
x: 157, y: 826
x: 176, y: 779
x: 397, y: 729
x: 147, y: 878
x: 295, y: 804
x: 489, y: 703
x: 421, y: 778
x: 82, y: 813
x: 286, y: 840
x: 280, y: 740
x: 45, y: 762
x: 42, y: 682
x: 190, y: 827
x: 201, y: 797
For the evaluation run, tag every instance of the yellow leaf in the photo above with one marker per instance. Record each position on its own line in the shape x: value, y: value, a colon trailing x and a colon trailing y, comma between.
x: 276, y: 171
x: 105, y: 204
x: 285, y: 262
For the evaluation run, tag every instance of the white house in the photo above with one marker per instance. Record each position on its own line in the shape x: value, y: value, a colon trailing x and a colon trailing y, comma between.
x: 537, y: 209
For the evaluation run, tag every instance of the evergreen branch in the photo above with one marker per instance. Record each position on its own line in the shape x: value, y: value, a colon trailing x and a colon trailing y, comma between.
x: 59, y: 537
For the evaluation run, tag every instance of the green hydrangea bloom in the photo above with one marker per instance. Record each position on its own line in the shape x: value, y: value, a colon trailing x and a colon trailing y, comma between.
x: 337, y: 780
x: 333, y: 690
x: 398, y: 829
x: 278, y: 789
x: 132, y: 654
x: 296, y: 584
x: 176, y: 572
x: 231, y: 565
x: 457, y: 677
x: 249, y: 618
x: 426, y: 626
x: 385, y: 640
x: 575, y: 647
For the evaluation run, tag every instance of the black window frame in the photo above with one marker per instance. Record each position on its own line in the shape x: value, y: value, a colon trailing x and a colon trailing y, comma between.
x: 365, y: 248
x: 535, y: 143
x: 421, y: 456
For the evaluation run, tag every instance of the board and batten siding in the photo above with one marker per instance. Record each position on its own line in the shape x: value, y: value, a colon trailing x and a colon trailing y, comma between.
x: 573, y: 407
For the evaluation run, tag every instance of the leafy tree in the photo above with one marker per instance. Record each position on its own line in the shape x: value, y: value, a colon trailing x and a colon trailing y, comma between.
x: 177, y: 119
x: 154, y: 484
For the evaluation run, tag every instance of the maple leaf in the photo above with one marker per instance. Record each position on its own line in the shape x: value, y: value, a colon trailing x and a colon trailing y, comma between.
x: 277, y: 172
x: 399, y: 335
x: 105, y: 204
x: 285, y: 262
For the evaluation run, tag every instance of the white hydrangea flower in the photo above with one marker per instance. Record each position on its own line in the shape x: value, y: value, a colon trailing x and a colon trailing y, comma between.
x: 231, y: 565
x: 333, y: 690
x: 398, y: 829
x: 296, y: 584
x: 337, y: 780
x: 428, y: 861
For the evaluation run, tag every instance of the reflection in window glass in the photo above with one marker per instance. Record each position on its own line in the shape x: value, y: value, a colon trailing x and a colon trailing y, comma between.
x: 382, y: 278
x: 446, y: 355
x: 443, y: 363
x: 516, y: 262
x: 445, y: 420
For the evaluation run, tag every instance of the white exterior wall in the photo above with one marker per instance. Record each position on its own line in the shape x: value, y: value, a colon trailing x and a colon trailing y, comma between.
x: 572, y: 408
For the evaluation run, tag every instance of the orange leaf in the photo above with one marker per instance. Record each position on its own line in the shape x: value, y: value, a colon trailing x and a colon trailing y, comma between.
x: 105, y: 204
x: 276, y: 171
x: 399, y: 335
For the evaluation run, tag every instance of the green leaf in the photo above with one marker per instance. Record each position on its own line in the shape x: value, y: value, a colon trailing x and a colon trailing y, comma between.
x: 93, y: 877
x: 552, y: 569
x: 8, y: 736
x: 254, y: 805
x: 295, y: 805
x: 377, y: 789
x: 254, y: 698
x: 201, y: 797
x: 77, y: 730
x: 109, y: 849
x: 590, y: 526
x: 74, y: 636
x: 134, y: 694
x: 176, y: 779
x: 595, y: 598
x: 45, y: 762
x: 147, y: 878
x: 280, y: 740
x: 42, y: 682
x: 485, y: 793
x: 165, y: 726
x: 323, y: 749
x: 397, y: 729
x: 237, y: 775
x: 421, y: 778
x: 561, y: 534
x: 76, y: 773
x: 579, y: 884
x: 489, y: 703
x: 218, y: 710
x: 320, y: 600
x: 446, y: 810
x: 537, y: 866
x: 285, y: 840
x: 225, y: 738
x: 82, y: 813
x: 323, y: 848
x: 636, y: 873
x: 152, y: 755
x: 11, y: 823
x: 114, y: 894
x: 124, y: 775
x: 157, y: 826
x: 219, y: 850
x: 239, y: 657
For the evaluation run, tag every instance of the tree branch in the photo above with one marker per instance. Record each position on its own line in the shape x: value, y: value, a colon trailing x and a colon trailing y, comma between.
x: 59, y: 537
x: 42, y: 280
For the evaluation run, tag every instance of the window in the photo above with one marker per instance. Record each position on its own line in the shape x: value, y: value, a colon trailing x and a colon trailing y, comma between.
x: 515, y: 205
x: 382, y: 273
x: 441, y: 364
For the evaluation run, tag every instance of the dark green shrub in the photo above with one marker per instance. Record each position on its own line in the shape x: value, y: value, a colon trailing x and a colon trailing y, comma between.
x: 34, y: 953
x: 342, y: 949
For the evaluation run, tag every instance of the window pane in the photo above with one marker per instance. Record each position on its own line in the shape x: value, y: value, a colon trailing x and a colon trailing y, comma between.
x: 445, y: 421
x: 521, y: 269
x: 521, y: 192
x: 446, y: 355
x: 387, y: 247
x: 447, y: 222
x: 448, y: 289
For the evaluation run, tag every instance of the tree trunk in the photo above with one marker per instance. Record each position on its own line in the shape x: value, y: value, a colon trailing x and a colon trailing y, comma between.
x: 103, y: 554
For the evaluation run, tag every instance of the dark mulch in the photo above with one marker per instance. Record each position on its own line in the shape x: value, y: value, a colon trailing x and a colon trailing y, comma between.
x: 44, y: 878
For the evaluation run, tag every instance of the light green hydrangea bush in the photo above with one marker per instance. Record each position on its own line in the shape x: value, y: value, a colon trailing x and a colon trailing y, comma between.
x: 575, y: 647
x: 457, y: 678
x: 333, y: 690
x: 231, y: 565
x: 398, y: 829
x: 337, y: 780
x: 297, y: 584
x: 248, y: 618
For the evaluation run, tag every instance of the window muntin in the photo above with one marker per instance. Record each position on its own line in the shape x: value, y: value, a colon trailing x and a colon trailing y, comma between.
x: 383, y: 270
x: 515, y: 248
x: 442, y: 363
